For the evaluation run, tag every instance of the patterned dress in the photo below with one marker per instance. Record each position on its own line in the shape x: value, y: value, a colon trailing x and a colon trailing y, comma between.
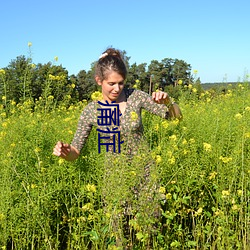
x: 129, y: 182
x: 131, y: 127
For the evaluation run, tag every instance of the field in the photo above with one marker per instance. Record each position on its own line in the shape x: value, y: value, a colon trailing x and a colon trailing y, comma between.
x: 202, y: 165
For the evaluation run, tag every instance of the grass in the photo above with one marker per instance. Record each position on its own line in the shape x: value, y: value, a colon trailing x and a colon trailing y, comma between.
x: 201, y: 164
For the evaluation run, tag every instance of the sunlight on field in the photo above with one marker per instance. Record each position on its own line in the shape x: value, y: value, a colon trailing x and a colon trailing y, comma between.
x: 202, y: 164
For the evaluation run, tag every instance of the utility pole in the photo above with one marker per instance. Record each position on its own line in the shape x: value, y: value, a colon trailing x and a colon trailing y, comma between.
x: 150, y: 84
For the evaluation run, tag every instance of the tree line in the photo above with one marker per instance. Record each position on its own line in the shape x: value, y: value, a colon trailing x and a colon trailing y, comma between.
x: 22, y: 79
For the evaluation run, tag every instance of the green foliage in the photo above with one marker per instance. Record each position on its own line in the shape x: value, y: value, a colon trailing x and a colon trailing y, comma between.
x: 201, y: 166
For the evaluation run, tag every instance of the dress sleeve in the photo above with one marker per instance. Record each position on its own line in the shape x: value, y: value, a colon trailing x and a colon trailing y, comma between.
x: 151, y: 106
x: 84, y: 127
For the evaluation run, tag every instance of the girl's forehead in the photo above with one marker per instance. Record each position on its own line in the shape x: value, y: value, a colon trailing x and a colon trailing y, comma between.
x: 112, y: 75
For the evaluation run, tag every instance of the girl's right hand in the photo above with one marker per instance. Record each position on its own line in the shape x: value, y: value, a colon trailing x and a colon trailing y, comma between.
x: 61, y: 149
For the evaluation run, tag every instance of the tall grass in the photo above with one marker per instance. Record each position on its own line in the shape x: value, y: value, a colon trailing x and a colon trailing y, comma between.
x: 202, y: 165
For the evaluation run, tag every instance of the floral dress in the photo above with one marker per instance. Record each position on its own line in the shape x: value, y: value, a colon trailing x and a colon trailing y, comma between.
x: 129, y: 181
x: 130, y: 122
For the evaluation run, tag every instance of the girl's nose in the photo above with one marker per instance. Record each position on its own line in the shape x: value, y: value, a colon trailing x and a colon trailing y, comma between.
x: 116, y: 87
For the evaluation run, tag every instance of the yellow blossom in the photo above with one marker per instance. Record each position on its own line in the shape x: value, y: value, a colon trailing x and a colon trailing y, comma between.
x: 198, y: 212
x: 180, y: 82
x: 156, y: 127
x: 168, y: 196
x: 238, y: 116
x: 158, y: 159
x: 225, y: 193
x: 212, y: 175
x: 29, y: 44
x: 37, y: 149
x: 96, y: 96
x: 91, y: 188
x: 3, y: 97
x: 239, y: 192
x: 2, y: 72
x: 207, y: 147
x: 87, y: 207
x: 247, y: 108
x: 56, y: 58
x: 73, y: 85
x: 133, y: 116
x: 171, y: 160
x: 137, y: 80
x: 191, y: 140
x: 164, y: 124
x: 235, y: 207
x: 184, y: 141
x: 162, y: 190
x: 61, y: 161
x: 225, y: 159
x: 190, y: 86
x: 195, y: 71
x: 194, y: 90
x: 2, y: 217
x: 173, y: 137
x: 135, y: 86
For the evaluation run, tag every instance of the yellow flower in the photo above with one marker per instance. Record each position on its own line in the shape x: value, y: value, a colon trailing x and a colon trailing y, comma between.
x: 171, y: 160
x: 156, y: 127
x: 180, y: 82
x: 158, y: 159
x: 29, y: 44
x: 212, y: 175
x: 238, y: 116
x: 168, y: 196
x: 2, y: 217
x: 164, y: 124
x: 162, y: 190
x: 56, y: 58
x: 96, y: 96
x: 246, y: 108
x: 87, y: 207
x: 190, y: 86
x: 195, y: 71
x: 191, y: 140
x: 135, y: 86
x: 61, y: 161
x: 235, y: 207
x: 239, y: 192
x: 73, y: 85
x: 225, y: 159
x: 37, y: 149
x: 91, y: 188
x: 133, y: 116
x: 207, y: 147
x: 173, y: 137
x: 2, y: 72
x: 225, y: 193
x: 137, y: 80
x: 3, y: 97
x: 194, y: 90
x: 198, y: 212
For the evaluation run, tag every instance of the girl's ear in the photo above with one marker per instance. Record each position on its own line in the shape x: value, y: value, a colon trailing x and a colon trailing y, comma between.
x: 98, y: 80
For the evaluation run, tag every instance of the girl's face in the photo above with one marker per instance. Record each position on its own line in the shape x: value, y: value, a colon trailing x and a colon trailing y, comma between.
x: 112, y: 86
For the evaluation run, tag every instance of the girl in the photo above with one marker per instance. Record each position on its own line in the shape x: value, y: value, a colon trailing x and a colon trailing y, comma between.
x: 110, y: 74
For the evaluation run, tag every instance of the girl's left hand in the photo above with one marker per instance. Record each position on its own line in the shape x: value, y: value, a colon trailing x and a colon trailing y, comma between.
x: 161, y: 97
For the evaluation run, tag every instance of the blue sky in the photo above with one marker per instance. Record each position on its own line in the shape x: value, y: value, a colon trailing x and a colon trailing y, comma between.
x: 212, y: 36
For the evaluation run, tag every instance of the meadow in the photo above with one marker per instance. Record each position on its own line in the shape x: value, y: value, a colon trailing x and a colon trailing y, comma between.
x: 202, y: 164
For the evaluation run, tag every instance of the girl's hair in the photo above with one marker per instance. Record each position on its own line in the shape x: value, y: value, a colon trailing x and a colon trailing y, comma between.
x: 110, y: 60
